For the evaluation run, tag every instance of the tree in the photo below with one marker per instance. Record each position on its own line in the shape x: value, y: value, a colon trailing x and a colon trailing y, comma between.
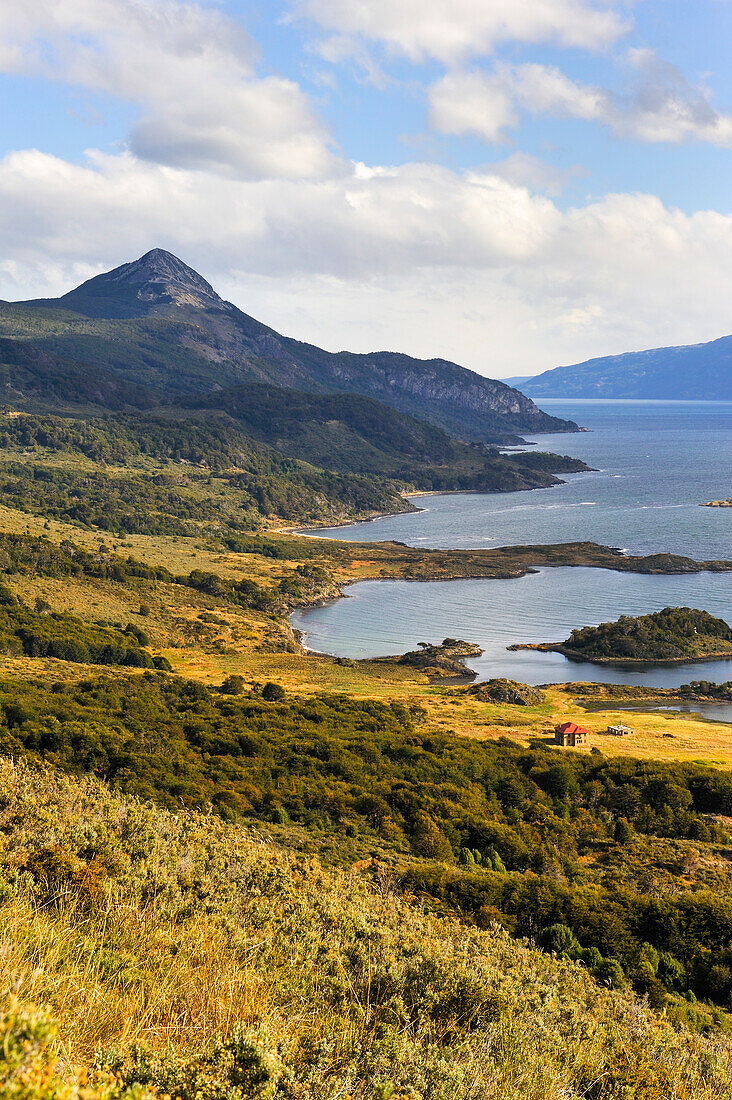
x: 233, y: 685
x: 623, y: 831
x: 273, y: 693
x: 428, y: 840
x: 561, y: 940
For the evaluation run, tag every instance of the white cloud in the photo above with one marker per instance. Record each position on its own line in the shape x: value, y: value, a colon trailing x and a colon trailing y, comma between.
x: 486, y: 104
x: 232, y: 171
x: 661, y: 106
x: 419, y: 258
x: 368, y: 222
x: 664, y: 106
x: 544, y: 89
x: 525, y: 170
x: 189, y: 69
x: 458, y: 29
x: 472, y: 103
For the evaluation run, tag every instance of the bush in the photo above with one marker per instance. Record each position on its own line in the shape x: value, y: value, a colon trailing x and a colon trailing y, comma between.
x: 243, y: 1066
x: 273, y: 693
x: 232, y: 685
x: 67, y: 638
x: 231, y: 928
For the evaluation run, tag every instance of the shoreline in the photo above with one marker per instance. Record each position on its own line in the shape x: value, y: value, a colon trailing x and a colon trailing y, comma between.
x: 300, y: 632
x: 630, y: 663
x: 310, y: 531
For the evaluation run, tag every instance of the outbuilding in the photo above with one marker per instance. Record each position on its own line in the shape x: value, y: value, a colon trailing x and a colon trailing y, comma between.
x: 620, y: 730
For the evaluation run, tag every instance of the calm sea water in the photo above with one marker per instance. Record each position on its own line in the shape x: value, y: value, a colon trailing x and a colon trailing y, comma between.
x: 655, y: 463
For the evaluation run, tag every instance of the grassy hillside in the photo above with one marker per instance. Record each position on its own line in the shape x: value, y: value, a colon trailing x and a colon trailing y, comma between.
x: 148, y: 934
x: 491, y: 831
x: 370, y: 827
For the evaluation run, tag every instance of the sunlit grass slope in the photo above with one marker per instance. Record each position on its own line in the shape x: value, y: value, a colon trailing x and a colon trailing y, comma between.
x: 147, y: 934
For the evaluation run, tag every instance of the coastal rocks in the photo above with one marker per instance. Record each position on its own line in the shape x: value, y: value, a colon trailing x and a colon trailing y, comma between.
x: 438, y: 662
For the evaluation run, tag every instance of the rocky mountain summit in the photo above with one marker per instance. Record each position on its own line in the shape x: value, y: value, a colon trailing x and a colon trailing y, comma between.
x: 137, y: 289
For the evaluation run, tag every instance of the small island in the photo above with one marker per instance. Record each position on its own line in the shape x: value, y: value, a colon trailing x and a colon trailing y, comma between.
x: 676, y: 635
x: 718, y: 503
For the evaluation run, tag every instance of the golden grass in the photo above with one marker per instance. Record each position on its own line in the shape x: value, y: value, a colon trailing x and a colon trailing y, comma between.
x: 260, y: 648
x: 186, y: 927
x: 177, y: 553
x: 659, y: 735
x: 301, y: 673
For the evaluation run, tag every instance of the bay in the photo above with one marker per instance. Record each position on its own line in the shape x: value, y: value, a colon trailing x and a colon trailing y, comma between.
x: 381, y: 618
x: 655, y: 463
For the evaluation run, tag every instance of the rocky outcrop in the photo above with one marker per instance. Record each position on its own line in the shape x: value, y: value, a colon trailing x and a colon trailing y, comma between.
x: 438, y: 662
x: 508, y: 691
x: 135, y: 289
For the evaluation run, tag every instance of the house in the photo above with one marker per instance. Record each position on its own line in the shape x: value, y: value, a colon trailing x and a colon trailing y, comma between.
x: 570, y: 735
x: 620, y: 730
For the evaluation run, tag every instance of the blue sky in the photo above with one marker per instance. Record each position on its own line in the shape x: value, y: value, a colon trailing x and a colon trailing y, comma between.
x: 510, y: 185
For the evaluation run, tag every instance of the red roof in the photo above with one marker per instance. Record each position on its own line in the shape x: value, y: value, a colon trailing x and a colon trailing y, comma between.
x: 570, y: 727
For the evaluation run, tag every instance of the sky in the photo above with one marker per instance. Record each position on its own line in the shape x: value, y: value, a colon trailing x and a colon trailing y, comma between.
x: 509, y: 184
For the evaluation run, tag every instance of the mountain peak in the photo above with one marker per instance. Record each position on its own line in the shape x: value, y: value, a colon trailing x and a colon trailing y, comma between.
x: 135, y: 289
x: 159, y: 265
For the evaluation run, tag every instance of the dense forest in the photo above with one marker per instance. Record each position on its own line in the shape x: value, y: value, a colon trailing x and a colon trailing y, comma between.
x: 177, y: 472
x: 673, y: 634
x: 178, y: 501
x: 490, y: 830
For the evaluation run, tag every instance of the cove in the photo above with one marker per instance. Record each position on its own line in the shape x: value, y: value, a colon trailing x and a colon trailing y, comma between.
x: 655, y: 463
x: 379, y: 618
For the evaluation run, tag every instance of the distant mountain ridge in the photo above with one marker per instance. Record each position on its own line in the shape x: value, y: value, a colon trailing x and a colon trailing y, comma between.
x: 157, y: 324
x: 693, y: 372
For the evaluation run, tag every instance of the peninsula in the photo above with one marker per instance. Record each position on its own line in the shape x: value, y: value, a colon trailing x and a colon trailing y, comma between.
x: 676, y: 635
x: 437, y: 662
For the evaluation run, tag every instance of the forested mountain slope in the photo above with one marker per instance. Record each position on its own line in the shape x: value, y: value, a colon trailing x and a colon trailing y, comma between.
x: 157, y: 323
